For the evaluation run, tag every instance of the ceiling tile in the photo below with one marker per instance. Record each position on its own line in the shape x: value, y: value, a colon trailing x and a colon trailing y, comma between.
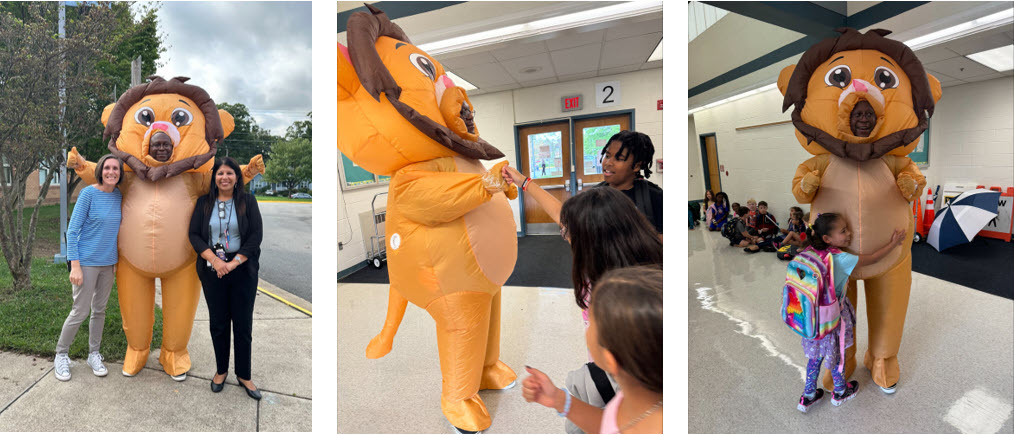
x: 628, y: 51
x: 577, y: 60
x: 618, y: 70
x: 652, y: 64
x: 935, y: 53
x: 534, y: 83
x: 493, y: 89
x: 466, y: 60
x: 485, y: 75
x: 634, y: 29
x: 516, y: 50
x: 982, y: 78
x: 960, y: 68
x: 540, y: 61
x: 574, y: 40
x: 950, y: 83
x: 582, y: 76
x: 941, y: 77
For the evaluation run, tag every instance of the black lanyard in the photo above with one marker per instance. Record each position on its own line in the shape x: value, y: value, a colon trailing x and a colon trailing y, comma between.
x: 224, y: 228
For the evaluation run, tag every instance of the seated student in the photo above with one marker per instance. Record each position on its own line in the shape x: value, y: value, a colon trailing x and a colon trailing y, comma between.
x: 626, y: 163
x: 751, y: 218
x: 718, y: 214
x: 765, y: 227
x: 742, y: 237
x: 797, y: 227
x: 734, y: 209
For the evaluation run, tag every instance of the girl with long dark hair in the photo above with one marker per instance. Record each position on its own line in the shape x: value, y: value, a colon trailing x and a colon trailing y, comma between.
x: 226, y: 231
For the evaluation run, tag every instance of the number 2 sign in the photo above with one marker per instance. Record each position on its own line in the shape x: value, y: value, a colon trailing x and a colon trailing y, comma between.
x: 607, y: 94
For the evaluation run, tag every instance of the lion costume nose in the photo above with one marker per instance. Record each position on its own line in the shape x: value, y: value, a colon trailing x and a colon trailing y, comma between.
x: 448, y: 83
x: 858, y: 84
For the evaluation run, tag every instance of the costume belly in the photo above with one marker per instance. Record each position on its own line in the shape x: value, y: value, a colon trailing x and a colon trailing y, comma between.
x: 476, y: 252
x: 867, y: 194
x: 156, y: 219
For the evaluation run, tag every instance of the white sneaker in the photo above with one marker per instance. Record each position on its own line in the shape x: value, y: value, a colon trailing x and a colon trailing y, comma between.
x: 179, y: 378
x: 61, y: 367
x: 95, y: 362
x: 890, y: 390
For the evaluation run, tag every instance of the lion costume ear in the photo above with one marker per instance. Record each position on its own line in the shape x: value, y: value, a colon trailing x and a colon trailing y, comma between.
x: 783, y: 78
x: 228, y: 123
x: 935, y: 88
x: 106, y: 111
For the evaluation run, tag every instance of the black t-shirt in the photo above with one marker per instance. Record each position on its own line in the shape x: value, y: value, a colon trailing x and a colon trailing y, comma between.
x: 654, y: 195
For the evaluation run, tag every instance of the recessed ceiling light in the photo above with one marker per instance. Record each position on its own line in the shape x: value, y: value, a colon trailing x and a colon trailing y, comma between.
x: 460, y: 81
x: 531, y: 70
x: 1000, y: 59
x: 657, y: 54
x: 543, y: 26
x: 967, y: 28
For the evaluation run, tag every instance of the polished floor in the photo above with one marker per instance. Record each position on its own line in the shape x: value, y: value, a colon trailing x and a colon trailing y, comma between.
x: 746, y: 368
x: 400, y: 393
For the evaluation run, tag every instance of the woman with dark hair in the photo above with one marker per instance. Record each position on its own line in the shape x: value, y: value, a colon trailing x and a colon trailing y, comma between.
x: 718, y: 213
x: 626, y: 163
x: 226, y: 231
x: 91, y: 251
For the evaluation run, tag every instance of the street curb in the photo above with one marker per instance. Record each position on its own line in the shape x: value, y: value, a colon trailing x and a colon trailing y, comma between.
x: 267, y: 287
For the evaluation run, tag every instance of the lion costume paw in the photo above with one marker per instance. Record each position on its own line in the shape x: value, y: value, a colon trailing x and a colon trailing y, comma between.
x: 810, y: 182
x: 907, y: 185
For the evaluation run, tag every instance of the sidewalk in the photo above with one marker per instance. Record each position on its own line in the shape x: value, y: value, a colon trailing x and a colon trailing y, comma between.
x: 32, y: 399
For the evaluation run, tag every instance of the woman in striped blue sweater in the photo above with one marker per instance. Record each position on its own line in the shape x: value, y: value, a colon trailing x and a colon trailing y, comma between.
x: 91, y: 250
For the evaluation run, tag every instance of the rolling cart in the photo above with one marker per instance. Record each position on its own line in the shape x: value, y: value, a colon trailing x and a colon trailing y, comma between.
x: 378, y: 249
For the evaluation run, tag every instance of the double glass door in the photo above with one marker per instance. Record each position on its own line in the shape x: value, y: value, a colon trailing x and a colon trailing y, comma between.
x: 564, y: 158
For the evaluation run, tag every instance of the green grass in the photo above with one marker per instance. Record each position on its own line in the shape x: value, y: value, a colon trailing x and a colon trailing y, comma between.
x: 31, y: 321
x: 278, y: 199
x: 47, y: 230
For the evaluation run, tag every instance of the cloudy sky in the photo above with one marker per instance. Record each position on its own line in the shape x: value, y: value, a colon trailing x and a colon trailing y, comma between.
x: 255, y: 53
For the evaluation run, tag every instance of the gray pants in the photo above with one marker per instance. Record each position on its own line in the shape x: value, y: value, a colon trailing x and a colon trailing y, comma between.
x: 92, y: 294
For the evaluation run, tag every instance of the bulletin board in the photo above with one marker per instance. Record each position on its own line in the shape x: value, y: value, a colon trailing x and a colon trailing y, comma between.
x: 920, y: 155
x: 352, y: 176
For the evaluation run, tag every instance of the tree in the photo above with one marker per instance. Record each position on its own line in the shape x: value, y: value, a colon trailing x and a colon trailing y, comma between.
x: 301, y: 129
x: 247, y: 139
x: 33, y: 62
x: 291, y: 163
x: 129, y: 40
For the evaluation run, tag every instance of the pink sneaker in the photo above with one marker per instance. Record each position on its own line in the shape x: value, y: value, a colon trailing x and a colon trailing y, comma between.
x: 805, y: 404
x: 850, y: 391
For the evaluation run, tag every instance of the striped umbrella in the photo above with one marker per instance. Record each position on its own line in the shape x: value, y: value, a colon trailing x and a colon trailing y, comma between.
x: 960, y: 221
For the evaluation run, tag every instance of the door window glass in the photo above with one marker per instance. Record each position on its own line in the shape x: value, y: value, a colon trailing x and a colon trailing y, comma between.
x: 545, y: 155
x: 596, y: 138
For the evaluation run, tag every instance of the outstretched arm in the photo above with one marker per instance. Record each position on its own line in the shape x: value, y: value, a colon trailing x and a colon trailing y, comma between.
x: 83, y: 168
x: 250, y: 170
x: 807, y: 179
x: 546, y: 200
x: 896, y: 239
x: 910, y: 180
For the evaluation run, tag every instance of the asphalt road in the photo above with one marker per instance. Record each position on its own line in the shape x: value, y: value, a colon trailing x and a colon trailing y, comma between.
x: 285, y: 250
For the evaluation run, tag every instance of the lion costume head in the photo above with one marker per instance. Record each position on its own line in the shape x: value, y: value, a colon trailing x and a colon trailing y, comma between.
x: 834, y: 75
x: 422, y: 116
x: 184, y: 112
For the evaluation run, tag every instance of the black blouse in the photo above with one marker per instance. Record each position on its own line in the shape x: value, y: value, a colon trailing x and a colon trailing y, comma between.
x: 251, y: 229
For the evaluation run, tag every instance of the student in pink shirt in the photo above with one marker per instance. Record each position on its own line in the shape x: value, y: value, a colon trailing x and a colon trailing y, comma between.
x: 625, y: 337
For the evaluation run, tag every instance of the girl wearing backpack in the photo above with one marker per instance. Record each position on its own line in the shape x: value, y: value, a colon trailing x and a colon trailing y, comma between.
x: 828, y: 234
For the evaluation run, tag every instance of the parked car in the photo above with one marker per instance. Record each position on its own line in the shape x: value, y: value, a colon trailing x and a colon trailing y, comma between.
x: 269, y: 192
x: 300, y: 195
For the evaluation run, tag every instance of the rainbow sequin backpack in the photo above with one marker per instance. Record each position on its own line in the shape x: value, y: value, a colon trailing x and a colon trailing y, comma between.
x: 809, y: 305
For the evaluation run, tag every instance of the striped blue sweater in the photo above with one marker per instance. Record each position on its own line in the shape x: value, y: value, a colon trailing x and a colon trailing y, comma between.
x: 91, y: 234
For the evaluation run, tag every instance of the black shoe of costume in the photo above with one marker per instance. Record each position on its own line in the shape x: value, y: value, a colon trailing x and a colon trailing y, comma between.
x: 462, y: 431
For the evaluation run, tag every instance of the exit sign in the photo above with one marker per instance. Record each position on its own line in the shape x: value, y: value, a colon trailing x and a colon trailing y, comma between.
x: 571, y: 103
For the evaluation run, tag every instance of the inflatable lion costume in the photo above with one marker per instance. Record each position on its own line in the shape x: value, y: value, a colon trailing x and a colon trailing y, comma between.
x: 450, y: 233
x: 865, y: 177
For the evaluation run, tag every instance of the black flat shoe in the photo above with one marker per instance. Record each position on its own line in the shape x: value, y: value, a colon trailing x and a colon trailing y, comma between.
x: 254, y: 394
x: 217, y: 388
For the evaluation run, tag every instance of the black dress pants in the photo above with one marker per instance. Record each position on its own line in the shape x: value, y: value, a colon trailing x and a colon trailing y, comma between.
x: 230, y: 302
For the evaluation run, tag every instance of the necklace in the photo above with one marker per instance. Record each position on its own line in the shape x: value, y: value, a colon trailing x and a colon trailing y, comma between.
x: 641, y: 417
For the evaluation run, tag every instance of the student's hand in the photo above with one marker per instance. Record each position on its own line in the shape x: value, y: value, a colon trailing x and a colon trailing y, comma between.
x: 897, y: 237
x: 512, y: 175
x: 539, y: 389
x: 76, y: 277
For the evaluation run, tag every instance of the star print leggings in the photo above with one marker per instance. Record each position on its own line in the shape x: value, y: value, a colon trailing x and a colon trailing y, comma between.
x: 813, y: 371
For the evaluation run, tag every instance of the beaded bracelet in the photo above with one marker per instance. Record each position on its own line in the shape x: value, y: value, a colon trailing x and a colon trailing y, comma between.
x: 566, y: 405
